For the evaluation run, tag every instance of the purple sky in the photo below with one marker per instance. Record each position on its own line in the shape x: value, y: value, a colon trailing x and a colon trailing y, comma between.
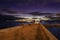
x: 20, y: 7
x: 32, y: 5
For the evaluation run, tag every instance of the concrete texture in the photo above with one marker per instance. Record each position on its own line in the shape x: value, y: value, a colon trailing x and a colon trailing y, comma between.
x: 26, y: 32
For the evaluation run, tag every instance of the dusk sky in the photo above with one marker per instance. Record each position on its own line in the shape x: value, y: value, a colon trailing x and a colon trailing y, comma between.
x: 26, y: 6
x: 32, y: 5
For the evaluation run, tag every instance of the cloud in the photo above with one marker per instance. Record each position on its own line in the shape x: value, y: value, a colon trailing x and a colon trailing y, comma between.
x: 55, y: 1
x: 9, y: 11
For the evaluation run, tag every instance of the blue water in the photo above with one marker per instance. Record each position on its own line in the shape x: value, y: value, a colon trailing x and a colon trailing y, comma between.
x: 8, y: 24
x: 50, y: 21
x: 55, y: 31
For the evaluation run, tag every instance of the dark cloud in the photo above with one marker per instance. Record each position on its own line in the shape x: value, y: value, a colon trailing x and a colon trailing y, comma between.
x: 30, y: 5
x: 55, y: 0
x: 9, y: 11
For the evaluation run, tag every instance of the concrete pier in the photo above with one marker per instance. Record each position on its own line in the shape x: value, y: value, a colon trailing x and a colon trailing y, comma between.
x: 27, y: 32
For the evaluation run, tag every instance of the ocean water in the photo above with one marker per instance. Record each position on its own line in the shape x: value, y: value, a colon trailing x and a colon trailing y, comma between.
x: 55, y: 31
x: 7, y: 24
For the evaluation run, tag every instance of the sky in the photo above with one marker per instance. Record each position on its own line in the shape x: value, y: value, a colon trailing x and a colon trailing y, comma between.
x: 27, y: 6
